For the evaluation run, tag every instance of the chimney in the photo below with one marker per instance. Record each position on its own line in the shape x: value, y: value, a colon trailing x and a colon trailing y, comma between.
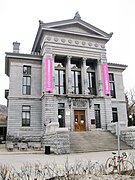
x: 16, y: 47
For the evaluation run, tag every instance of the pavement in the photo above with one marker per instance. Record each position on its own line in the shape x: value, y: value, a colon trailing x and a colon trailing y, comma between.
x: 18, y: 158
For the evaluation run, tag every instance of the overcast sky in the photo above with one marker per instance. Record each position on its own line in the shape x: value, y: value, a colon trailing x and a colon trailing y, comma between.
x: 19, y: 21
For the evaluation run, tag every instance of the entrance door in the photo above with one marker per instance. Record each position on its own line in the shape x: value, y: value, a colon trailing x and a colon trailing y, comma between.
x: 79, y: 120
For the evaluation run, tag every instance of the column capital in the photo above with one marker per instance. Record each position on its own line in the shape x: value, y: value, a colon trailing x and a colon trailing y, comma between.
x: 53, y: 55
x: 69, y: 57
x: 47, y: 50
x: 103, y: 57
x: 84, y: 58
x: 99, y: 61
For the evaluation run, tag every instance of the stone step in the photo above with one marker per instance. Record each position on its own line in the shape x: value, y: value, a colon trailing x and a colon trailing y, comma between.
x: 88, y: 141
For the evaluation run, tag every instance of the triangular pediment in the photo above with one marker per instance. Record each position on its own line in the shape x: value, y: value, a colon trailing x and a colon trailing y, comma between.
x: 74, y: 26
x: 77, y: 27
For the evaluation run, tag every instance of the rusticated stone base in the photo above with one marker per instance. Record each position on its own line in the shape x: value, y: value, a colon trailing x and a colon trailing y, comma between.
x: 58, y: 140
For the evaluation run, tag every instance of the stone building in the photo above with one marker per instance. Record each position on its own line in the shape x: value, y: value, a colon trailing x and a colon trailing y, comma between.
x: 65, y: 79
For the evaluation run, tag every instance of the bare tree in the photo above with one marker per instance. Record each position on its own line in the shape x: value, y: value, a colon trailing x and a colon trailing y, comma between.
x: 130, y: 103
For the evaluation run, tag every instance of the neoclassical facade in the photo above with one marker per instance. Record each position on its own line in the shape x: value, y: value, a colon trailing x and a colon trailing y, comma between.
x: 65, y: 79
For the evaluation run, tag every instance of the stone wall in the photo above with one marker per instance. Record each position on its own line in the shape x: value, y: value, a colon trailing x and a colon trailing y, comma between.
x: 57, y: 138
x: 128, y: 135
x: 14, y: 126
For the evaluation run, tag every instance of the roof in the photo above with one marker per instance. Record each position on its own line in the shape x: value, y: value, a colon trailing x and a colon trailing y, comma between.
x: 117, y: 66
x: 75, y: 26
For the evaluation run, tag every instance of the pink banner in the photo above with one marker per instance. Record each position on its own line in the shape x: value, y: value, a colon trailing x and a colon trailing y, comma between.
x: 48, y: 70
x: 106, y: 79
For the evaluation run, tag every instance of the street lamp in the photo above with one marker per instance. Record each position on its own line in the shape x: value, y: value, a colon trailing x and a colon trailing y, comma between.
x: 60, y: 116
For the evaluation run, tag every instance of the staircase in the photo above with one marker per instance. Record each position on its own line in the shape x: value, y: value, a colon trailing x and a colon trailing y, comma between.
x: 95, y: 140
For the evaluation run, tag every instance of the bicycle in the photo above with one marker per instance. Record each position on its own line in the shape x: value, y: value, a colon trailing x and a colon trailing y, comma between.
x: 119, y: 164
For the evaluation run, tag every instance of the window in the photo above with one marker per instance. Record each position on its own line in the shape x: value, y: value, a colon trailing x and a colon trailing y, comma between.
x: 91, y: 77
x: 27, y: 70
x: 26, y: 85
x: 112, y: 85
x: 26, y: 115
x: 26, y: 80
x: 76, y: 82
x: 61, y: 114
x: 97, y: 115
x: 114, y: 114
x: 60, y: 77
x: 60, y: 81
x: 76, y: 64
x: 91, y: 83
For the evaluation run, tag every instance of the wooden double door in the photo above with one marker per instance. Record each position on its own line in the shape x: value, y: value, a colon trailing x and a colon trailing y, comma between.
x: 79, y: 120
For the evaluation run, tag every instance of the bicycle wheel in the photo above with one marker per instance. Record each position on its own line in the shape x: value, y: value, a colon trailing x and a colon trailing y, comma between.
x: 109, y: 166
x: 126, y: 167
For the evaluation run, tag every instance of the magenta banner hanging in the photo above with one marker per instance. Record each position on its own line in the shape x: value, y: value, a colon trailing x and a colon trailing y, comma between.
x: 106, y: 79
x: 48, y: 73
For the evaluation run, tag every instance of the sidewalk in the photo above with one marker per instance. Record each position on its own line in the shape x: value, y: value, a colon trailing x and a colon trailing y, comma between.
x: 18, y: 158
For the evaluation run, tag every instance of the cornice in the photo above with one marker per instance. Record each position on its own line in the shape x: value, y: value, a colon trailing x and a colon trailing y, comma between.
x: 69, y: 42
x: 76, y: 21
x: 117, y: 66
x: 13, y: 56
x: 23, y: 56
x: 75, y: 33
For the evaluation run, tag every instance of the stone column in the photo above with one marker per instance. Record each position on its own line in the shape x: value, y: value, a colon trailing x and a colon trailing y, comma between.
x: 100, y: 79
x: 68, y: 76
x: 84, y: 78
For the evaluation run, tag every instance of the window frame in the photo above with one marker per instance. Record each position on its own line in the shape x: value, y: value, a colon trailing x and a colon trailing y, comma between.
x: 76, y: 81
x: 76, y: 67
x: 26, y: 84
x: 60, y: 66
x: 27, y: 71
x: 112, y: 85
x: 61, y: 108
x: 92, y: 89
x: 97, y: 111
x: 60, y: 87
x: 26, y: 87
x: 26, y: 122
x: 114, y: 114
